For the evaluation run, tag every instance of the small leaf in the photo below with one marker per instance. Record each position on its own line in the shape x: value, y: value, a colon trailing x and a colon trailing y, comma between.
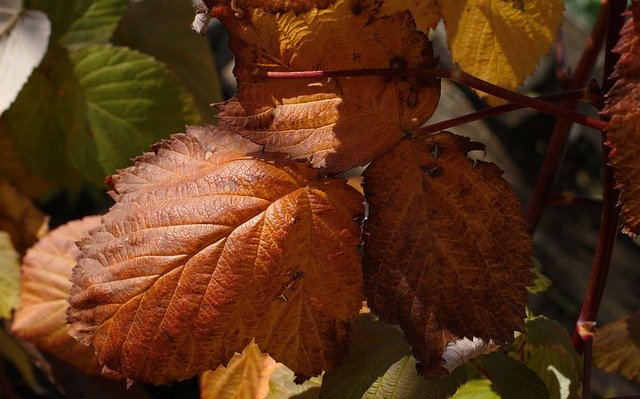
x: 380, y: 366
x: 210, y: 244
x: 19, y: 218
x: 9, y: 276
x: 624, y: 125
x: 23, y: 42
x: 96, y: 25
x: 541, y: 283
x: 512, y: 379
x: 501, y: 41
x: 447, y: 254
x: 616, y: 347
x: 476, y: 389
x: 334, y: 124
x: 183, y: 52
x: 19, y: 359
x: 283, y: 386
x: 132, y: 101
x: 41, y: 318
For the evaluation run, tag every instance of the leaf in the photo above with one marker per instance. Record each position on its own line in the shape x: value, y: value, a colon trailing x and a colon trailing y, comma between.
x: 183, y: 52
x: 41, y: 318
x: 96, y: 25
x: 476, y: 389
x: 438, y: 225
x: 541, y: 283
x: 512, y: 379
x: 616, y: 347
x: 23, y: 43
x: 132, y: 101
x: 546, y: 348
x: 275, y: 6
x: 426, y: 13
x: 501, y: 41
x: 326, y: 122
x: 380, y: 365
x: 624, y: 125
x: 16, y: 356
x: 210, y: 244
x: 9, y: 276
x: 19, y: 218
x: 282, y: 385
x: 61, y: 13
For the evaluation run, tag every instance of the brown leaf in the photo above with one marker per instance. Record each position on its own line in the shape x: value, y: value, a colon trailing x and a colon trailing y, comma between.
x: 616, y: 347
x: 210, y: 244
x: 20, y: 218
x: 41, y: 318
x: 334, y: 124
x: 623, y: 130
x: 447, y: 253
x: 426, y: 13
x: 274, y: 6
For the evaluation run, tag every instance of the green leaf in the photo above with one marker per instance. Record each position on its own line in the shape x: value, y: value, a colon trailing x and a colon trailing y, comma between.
x: 282, y: 386
x: 48, y: 111
x: 616, y: 347
x: 510, y: 378
x: 12, y: 352
x: 187, y: 54
x: 476, y: 389
x: 61, y: 13
x: 380, y: 365
x: 96, y: 25
x: 132, y: 101
x: 541, y: 283
x: 9, y: 276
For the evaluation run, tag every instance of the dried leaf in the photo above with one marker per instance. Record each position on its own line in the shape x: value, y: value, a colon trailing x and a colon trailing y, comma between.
x: 9, y: 276
x: 208, y: 247
x: 41, y: 318
x: 273, y: 6
x: 623, y: 129
x: 447, y: 254
x: 616, y: 347
x: 426, y: 13
x: 20, y: 218
x: 501, y: 41
x: 326, y: 122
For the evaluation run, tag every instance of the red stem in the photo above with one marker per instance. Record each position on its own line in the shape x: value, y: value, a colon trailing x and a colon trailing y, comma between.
x: 609, y: 223
x: 586, y: 331
x: 550, y: 168
x: 452, y: 74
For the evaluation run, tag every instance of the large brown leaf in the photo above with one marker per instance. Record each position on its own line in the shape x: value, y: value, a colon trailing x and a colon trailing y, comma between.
x: 334, y: 124
x: 41, y: 317
x: 210, y: 244
x: 447, y: 253
x: 273, y: 6
x: 623, y: 130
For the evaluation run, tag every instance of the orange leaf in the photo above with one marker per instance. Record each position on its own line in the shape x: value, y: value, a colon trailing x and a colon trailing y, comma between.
x: 616, y: 347
x: 41, y: 317
x: 20, y: 218
x: 426, y: 13
x: 447, y: 253
x: 623, y: 130
x: 274, y: 6
x: 334, y: 124
x: 210, y: 244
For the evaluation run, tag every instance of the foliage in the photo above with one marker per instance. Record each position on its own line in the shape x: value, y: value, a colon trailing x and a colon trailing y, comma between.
x: 237, y: 250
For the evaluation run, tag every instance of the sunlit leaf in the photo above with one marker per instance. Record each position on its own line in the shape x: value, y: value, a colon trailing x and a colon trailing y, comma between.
x: 282, y: 385
x: 96, y: 25
x: 447, y: 254
x: 624, y: 126
x: 616, y: 347
x: 476, y: 389
x: 9, y: 276
x: 501, y: 41
x: 20, y: 218
x: 276, y: 6
x: 41, y: 318
x: 210, y: 244
x: 326, y: 122
x: 426, y: 13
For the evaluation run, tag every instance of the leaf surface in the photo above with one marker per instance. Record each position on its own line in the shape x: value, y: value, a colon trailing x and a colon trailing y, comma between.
x: 208, y: 247
x: 96, y: 25
x: 616, y: 347
x: 447, y: 254
x: 9, y: 276
x: 624, y: 125
x: 20, y: 218
x: 275, y: 6
x: 23, y: 43
x: 501, y: 41
x: 426, y: 13
x: 41, y: 318
x: 512, y: 379
x: 327, y: 122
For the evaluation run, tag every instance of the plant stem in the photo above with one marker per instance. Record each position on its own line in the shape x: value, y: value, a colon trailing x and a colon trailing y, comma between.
x: 586, y: 331
x: 452, y: 74
x: 550, y: 168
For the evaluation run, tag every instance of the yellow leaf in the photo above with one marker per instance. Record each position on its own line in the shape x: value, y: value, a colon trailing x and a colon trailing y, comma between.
x: 501, y: 41
x: 9, y: 276
x: 426, y: 13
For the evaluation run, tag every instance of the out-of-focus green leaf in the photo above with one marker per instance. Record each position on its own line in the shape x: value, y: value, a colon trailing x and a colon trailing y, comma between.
x: 61, y: 13
x: 132, y: 101
x: 512, y: 379
x: 96, y: 25
x: 541, y: 283
x: 380, y: 365
x: 12, y: 352
x: 186, y: 53
x: 616, y: 347
x: 9, y: 276
x: 47, y: 112
x: 476, y: 389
